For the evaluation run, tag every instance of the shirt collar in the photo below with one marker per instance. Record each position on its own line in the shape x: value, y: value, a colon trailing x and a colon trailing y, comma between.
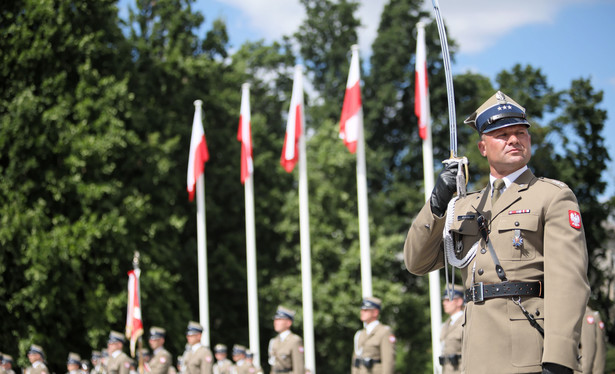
x: 284, y: 334
x: 371, y: 326
x: 456, y: 316
x: 509, y: 179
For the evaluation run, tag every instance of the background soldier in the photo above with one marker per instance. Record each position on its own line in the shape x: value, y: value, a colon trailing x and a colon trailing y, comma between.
x: 452, y: 331
x: 374, y: 344
x: 198, y: 359
x: 250, y: 361
x: 73, y: 363
x: 119, y: 362
x: 36, y: 355
x: 7, y: 363
x: 241, y: 365
x: 161, y: 360
x: 521, y: 248
x: 286, y: 349
x: 223, y: 365
x: 593, y: 346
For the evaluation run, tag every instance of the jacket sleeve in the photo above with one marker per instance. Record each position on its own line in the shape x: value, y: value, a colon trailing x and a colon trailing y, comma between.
x: 387, y: 353
x: 423, y: 248
x: 566, y: 288
x: 298, y: 358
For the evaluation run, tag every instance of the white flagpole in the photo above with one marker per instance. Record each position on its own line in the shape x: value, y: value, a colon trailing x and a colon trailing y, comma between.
x: 435, y: 302
x: 306, y: 264
x: 364, y: 242
x: 251, y: 250
x: 202, y: 251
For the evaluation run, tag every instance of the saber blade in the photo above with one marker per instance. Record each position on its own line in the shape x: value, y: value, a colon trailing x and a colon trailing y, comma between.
x: 449, y: 80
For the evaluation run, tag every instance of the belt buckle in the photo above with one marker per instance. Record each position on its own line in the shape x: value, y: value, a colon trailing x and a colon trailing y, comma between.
x: 478, y: 294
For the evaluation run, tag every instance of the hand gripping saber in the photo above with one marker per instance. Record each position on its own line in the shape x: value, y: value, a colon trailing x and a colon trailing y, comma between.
x: 461, y: 181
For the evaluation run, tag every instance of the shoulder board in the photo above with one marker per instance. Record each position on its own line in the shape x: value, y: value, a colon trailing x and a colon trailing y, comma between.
x: 554, y: 182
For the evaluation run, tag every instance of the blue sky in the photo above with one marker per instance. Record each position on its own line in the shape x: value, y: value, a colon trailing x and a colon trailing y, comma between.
x: 566, y: 39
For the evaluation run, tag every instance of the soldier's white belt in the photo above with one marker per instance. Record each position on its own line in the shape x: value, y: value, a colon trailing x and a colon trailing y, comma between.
x: 480, y: 291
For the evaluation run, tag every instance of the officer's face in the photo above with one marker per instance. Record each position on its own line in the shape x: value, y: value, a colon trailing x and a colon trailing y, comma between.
x: 33, y: 357
x: 452, y: 306
x: 193, y: 339
x: 507, y: 149
x: 155, y: 343
x: 281, y: 324
x: 369, y: 315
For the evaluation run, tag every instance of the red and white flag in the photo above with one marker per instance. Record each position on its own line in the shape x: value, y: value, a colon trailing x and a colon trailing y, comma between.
x: 294, y: 125
x: 134, y: 321
x: 352, y: 113
x: 421, y: 84
x: 198, y: 150
x: 244, y: 134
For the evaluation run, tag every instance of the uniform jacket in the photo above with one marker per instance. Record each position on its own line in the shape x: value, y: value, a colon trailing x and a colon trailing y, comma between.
x: 119, y: 364
x: 593, y: 346
x: 497, y: 335
x: 37, y: 368
x: 160, y: 362
x: 450, y: 337
x: 200, y: 361
x: 223, y: 366
x: 287, y: 354
x: 243, y: 367
x: 379, y: 344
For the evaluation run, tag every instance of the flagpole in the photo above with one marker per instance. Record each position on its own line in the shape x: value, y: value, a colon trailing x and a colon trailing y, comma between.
x: 135, y: 267
x: 435, y: 303
x: 251, y: 248
x: 306, y: 265
x: 202, y: 251
x: 364, y: 241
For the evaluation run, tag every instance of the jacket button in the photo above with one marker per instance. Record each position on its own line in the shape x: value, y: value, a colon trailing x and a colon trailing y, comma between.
x: 516, y: 223
x: 483, y: 250
x: 480, y: 271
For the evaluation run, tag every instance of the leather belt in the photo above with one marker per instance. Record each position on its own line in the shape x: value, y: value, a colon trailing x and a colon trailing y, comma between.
x: 479, y: 291
x: 282, y: 370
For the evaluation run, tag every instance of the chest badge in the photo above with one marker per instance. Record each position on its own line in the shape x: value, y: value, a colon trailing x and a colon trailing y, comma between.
x: 517, y: 239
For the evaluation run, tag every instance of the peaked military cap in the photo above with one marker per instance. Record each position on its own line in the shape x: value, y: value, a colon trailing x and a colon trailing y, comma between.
x: 194, y: 328
x: 96, y: 354
x: 457, y: 291
x: 371, y: 303
x: 220, y: 348
x: 73, y: 358
x: 497, y: 112
x: 145, y: 352
x: 284, y: 313
x: 157, y: 332
x: 239, y: 349
x: 249, y: 354
x: 116, y: 337
x: 36, y: 349
x: 7, y: 359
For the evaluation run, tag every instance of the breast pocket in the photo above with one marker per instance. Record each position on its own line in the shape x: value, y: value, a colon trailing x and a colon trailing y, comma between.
x: 516, y: 237
x: 465, y: 233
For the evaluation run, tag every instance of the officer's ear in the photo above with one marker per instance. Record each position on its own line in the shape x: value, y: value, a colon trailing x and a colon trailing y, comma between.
x: 481, y: 146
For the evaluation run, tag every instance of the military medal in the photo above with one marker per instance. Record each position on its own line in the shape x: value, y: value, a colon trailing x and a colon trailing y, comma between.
x: 517, y: 239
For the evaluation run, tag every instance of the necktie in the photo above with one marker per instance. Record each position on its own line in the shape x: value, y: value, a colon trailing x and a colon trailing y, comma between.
x: 498, y: 184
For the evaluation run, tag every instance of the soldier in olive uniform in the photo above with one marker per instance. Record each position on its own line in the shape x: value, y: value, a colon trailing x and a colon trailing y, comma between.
x: 286, y: 349
x: 161, y: 359
x: 593, y: 343
x: 223, y: 365
x: 119, y: 362
x: 374, y: 344
x: 7, y: 364
x: 521, y: 248
x: 452, y: 330
x: 198, y: 359
x: 36, y: 356
x: 73, y: 363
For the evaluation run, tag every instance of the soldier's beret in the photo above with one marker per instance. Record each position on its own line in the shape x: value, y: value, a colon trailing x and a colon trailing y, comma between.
x: 371, y: 303
x: 239, y: 349
x: 194, y: 328
x: 116, y: 337
x: 497, y: 112
x: 457, y: 292
x: 157, y: 332
x: 284, y: 313
x: 73, y: 358
x: 220, y: 348
x: 36, y: 349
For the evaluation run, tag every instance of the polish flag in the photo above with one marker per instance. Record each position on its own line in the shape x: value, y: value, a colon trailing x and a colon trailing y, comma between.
x: 134, y: 321
x: 421, y: 85
x: 198, y: 150
x: 294, y: 125
x: 352, y: 113
x: 244, y: 134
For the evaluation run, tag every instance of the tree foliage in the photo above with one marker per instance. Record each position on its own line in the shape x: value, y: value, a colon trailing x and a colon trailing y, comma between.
x: 95, y: 121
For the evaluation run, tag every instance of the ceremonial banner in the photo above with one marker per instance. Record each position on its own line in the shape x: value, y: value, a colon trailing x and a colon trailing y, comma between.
x: 134, y: 321
x: 244, y: 134
x: 352, y: 113
x: 199, y: 153
x: 421, y: 85
x: 294, y: 125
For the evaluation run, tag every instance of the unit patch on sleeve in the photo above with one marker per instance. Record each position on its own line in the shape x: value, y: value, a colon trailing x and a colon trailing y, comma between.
x: 575, y: 219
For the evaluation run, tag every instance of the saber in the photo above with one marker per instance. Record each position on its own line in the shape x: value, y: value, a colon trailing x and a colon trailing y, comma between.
x: 450, y: 92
